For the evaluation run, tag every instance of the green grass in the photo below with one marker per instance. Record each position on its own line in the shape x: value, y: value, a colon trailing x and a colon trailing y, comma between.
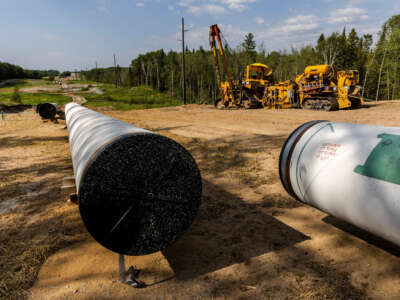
x: 23, y: 83
x: 18, y: 84
x: 123, y: 98
x: 79, y: 82
x: 34, y: 98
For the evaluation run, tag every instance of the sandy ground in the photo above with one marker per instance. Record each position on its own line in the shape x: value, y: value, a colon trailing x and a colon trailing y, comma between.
x: 249, y: 241
x: 78, y: 99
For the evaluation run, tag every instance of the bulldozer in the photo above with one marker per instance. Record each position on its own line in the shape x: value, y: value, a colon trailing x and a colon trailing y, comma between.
x: 245, y: 93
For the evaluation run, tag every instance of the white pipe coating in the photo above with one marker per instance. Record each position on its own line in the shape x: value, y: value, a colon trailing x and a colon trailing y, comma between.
x: 350, y: 171
x: 95, y: 131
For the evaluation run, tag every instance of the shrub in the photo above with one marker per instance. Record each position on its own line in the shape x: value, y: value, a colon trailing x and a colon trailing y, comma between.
x: 16, y: 97
x: 109, y: 98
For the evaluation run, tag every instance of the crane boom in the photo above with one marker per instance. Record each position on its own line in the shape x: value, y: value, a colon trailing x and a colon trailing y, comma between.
x: 215, y: 36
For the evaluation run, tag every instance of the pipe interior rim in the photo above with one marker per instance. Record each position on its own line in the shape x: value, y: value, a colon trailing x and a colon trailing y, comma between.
x: 286, y: 152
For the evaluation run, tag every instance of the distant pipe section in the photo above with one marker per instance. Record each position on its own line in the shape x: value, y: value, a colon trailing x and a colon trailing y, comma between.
x: 138, y: 191
x: 350, y: 171
x: 47, y: 110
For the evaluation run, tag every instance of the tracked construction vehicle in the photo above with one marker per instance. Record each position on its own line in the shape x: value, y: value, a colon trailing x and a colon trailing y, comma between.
x: 319, y: 87
x: 247, y: 92
x: 322, y: 87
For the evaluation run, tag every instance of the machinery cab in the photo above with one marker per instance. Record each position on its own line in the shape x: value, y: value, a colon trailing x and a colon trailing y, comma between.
x: 257, y: 75
x: 257, y: 78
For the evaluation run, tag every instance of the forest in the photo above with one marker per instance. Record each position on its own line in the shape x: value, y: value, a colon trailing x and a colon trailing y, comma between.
x: 10, y: 71
x: 377, y: 61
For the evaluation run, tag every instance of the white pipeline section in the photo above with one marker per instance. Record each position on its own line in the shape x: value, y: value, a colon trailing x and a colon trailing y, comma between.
x: 347, y: 170
x: 90, y: 131
x: 138, y: 191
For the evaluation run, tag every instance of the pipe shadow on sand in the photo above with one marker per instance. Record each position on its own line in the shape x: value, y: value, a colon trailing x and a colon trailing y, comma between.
x: 227, y: 231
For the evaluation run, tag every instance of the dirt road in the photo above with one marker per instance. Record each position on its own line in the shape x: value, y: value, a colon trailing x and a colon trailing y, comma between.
x: 78, y: 99
x: 250, y: 239
x: 62, y: 91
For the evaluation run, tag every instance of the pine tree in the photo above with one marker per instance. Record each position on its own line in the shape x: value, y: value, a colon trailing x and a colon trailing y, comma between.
x: 249, y: 46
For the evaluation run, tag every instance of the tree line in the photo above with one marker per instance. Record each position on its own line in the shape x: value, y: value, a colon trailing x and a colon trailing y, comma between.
x: 10, y: 71
x: 377, y: 64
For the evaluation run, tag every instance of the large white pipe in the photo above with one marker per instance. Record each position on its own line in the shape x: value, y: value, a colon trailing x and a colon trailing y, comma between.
x: 89, y: 131
x: 138, y: 191
x: 350, y: 171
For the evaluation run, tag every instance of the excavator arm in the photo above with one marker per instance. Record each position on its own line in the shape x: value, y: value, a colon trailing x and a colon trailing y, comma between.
x: 215, y: 53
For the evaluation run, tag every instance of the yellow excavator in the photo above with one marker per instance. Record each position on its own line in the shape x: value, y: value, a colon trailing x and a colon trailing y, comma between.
x: 245, y: 93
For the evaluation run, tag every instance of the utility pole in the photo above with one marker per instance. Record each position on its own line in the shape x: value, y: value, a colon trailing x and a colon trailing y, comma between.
x: 183, y: 63
x: 96, y: 74
x: 115, y: 72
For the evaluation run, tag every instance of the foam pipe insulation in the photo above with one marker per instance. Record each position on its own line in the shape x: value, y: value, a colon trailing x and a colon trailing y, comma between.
x: 138, y: 191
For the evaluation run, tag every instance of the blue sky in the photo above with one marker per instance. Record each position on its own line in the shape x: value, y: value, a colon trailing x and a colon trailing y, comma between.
x: 73, y: 34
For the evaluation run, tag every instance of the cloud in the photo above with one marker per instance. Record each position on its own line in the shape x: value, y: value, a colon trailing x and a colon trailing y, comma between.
x: 348, y: 14
x: 214, y: 7
x: 295, y: 31
x: 396, y: 8
x: 101, y: 9
x: 185, y: 3
x: 238, y: 5
x: 354, y: 2
x: 50, y: 37
x: 198, y: 36
x: 55, y: 53
x: 198, y: 10
x: 259, y: 20
x: 300, y: 23
x: 171, y: 8
x: 139, y: 4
